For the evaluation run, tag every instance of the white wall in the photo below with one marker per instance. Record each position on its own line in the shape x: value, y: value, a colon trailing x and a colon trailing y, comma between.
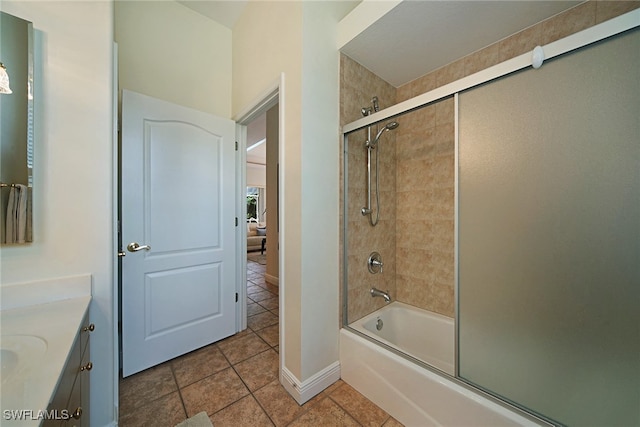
x: 267, y: 41
x: 256, y: 175
x: 256, y: 157
x: 72, y: 202
x: 320, y: 164
x: 170, y: 52
x: 299, y: 39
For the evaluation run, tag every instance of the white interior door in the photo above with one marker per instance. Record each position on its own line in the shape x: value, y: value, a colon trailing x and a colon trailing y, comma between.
x: 178, y: 220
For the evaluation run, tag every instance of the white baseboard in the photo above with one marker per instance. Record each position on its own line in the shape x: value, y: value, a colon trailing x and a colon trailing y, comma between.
x: 271, y: 279
x: 304, y: 391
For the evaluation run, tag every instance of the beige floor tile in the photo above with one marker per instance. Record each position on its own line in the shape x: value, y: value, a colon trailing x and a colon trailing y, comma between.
x: 255, y: 308
x: 325, y: 413
x: 259, y: 370
x: 326, y: 392
x: 213, y: 393
x: 252, y: 265
x: 279, y: 405
x: 246, y: 412
x: 270, y: 334
x: 271, y: 288
x: 235, y: 337
x: 262, y: 320
x: 145, y: 386
x: 257, y: 280
x: 243, y: 348
x: 261, y: 296
x: 165, y: 411
x: 358, y: 406
x: 253, y: 274
x: 254, y: 289
x: 392, y: 422
x: 333, y: 387
x: 198, y: 364
x: 270, y: 304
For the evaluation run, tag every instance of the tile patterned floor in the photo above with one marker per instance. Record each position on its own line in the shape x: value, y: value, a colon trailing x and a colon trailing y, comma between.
x: 236, y: 381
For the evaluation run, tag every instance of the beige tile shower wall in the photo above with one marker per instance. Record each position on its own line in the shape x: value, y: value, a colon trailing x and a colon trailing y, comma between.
x: 425, y: 162
x: 358, y: 86
x: 425, y: 214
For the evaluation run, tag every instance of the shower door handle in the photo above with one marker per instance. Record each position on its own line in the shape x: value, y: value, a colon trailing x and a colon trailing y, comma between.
x: 135, y: 247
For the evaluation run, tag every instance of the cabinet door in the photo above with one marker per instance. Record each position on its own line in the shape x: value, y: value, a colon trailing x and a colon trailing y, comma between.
x: 78, y: 405
x: 60, y: 399
x: 73, y: 390
x: 84, y: 378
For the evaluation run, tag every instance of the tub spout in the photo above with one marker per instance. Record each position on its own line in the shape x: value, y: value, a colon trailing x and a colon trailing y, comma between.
x: 378, y: 293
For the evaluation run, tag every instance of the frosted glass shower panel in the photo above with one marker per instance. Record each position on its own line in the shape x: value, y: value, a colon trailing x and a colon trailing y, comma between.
x: 549, y: 236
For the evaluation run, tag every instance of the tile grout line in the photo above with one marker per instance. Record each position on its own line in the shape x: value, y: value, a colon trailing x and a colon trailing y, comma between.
x: 175, y: 379
x: 348, y: 412
x: 264, y: 410
x: 251, y: 393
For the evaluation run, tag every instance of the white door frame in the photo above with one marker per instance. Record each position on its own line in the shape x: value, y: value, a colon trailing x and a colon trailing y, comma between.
x: 115, y: 247
x: 273, y: 95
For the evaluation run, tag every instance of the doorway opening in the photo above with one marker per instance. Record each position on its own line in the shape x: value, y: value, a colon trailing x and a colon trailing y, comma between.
x: 265, y: 115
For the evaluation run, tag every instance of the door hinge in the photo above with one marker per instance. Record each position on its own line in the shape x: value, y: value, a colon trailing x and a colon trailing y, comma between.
x: 236, y: 221
x: 236, y: 297
x: 236, y: 145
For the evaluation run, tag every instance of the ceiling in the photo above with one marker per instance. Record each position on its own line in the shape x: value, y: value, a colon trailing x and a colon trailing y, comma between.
x: 224, y: 12
x: 417, y: 37
x: 257, y: 131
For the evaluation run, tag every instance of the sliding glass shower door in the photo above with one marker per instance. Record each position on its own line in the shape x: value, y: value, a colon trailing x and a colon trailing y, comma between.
x: 549, y: 236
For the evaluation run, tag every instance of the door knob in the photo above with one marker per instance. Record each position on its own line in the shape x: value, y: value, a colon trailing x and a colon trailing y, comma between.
x: 135, y: 247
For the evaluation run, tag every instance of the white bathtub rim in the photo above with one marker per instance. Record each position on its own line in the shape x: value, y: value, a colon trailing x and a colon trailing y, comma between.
x: 440, y: 365
x: 467, y: 390
x: 404, y: 305
x: 453, y: 384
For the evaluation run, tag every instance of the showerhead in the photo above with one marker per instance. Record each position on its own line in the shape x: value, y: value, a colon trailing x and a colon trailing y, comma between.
x: 388, y: 126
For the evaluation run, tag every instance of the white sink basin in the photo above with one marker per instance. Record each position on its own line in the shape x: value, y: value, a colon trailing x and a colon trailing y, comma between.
x: 9, y: 360
x: 19, y: 353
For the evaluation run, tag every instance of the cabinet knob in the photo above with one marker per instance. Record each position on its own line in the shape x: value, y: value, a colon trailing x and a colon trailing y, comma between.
x: 77, y: 413
x: 87, y: 367
x: 89, y: 328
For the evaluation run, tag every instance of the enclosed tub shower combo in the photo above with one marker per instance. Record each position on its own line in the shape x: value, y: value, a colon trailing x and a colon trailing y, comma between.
x: 491, y: 241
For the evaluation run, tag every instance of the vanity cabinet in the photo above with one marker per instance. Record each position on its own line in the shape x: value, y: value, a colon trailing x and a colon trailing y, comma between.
x: 72, y: 394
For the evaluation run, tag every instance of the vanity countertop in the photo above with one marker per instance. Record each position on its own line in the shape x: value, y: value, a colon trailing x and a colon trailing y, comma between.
x: 36, y: 341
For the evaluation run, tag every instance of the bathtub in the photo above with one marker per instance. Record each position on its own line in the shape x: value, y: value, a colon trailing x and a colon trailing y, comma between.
x: 422, y: 334
x: 413, y: 394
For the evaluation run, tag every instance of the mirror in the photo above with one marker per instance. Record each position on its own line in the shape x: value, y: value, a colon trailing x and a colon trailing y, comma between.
x: 16, y: 131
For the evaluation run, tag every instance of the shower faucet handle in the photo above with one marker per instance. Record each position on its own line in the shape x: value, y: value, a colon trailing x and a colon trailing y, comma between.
x: 374, y: 263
